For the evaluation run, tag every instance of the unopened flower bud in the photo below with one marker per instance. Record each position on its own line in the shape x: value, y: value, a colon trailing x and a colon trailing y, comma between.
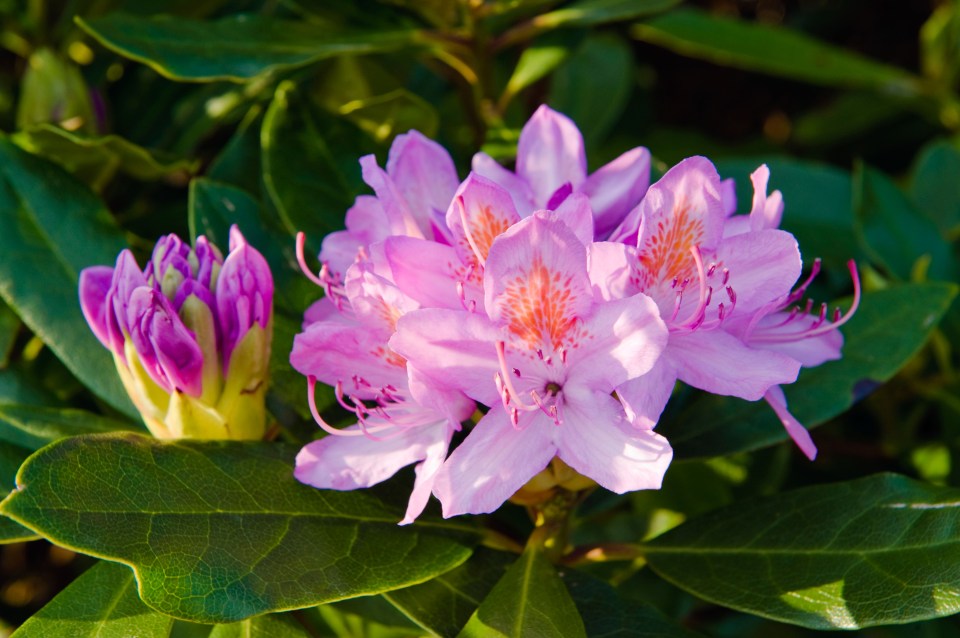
x: 190, y: 335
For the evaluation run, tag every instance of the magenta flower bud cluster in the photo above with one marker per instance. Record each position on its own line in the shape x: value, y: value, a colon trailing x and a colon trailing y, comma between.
x: 558, y: 308
x: 190, y: 334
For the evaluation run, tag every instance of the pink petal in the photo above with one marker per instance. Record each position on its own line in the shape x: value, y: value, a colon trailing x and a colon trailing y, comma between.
x: 366, y: 223
x: 720, y: 363
x: 428, y: 272
x: 494, y: 462
x: 767, y: 210
x: 611, y: 266
x: 550, y: 153
x: 440, y: 396
x: 795, y: 429
x: 536, y: 283
x: 763, y: 267
x: 399, y: 218
x: 486, y: 166
x: 423, y: 173
x: 616, y: 188
x: 597, y: 442
x: 479, y: 213
x: 455, y: 346
x: 728, y: 196
x: 809, y: 351
x: 682, y: 210
x: 645, y: 397
x: 621, y: 340
x: 376, y: 302
x: 576, y: 213
x: 426, y: 472
x: 350, y: 462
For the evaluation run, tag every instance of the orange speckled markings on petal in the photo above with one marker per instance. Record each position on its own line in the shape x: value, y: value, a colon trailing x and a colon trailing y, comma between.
x: 389, y: 356
x: 485, y: 225
x: 538, y: 307
x: 666, y: 253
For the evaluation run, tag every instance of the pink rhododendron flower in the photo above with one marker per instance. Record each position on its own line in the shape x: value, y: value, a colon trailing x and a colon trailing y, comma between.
x: 545, y: 356
x: 402, y: 416
x: 552, y: 164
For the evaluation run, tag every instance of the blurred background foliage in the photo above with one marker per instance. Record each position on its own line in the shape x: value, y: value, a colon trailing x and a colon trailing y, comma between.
x: 183, y: 115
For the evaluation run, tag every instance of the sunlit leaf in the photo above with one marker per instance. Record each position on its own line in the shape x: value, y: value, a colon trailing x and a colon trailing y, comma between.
x: 101, y: 603
x: 529, y: 600
x: 235, y: 48
x: 220, y: 531
x: 878, y: 550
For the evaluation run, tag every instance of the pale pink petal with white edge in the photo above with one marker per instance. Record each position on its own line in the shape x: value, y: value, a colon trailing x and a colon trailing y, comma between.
x: 617, y: 187
x: 550, y: 154
x: 645, y: 397
x: 795, y: 429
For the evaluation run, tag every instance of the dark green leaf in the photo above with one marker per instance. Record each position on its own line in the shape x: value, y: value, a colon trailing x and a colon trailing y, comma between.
x: 444, y: 605
x: 774, y: 50
x: 539, y: 59
x: 387, y: 115
x: 52, y: 227
x: 594, y: 85
x: 818, y: 207
x: 9, y: 327
x: 236, y: 48
x: 33, y: 426
x: 101, y: 603
x: 11, y: 457
x: 935, y: 190
x: 529, y: 600
x: 585, y: 13
x: 879, y: 550
x: 606, y: 615
x: 220, y: 531
x: 848, y: 117
x: 894, y: 234
x: 238, y: 164
x: 888, y: 329
x: 270, y: 626
x: 310, y: 186
x: 96, y: 159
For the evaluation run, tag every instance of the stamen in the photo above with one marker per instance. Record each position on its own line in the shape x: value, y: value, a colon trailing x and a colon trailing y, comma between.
x: 302, y: 260
x: 312, y: 402
x: 852, y: 267
x: 510, y: 393
x: 697, y: 316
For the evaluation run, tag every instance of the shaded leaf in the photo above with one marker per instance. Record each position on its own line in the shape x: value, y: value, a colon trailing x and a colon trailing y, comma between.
x: 33, y: 426
x: 220, y: 531
x: 594, y: 85
x: 935, y: 190
x: 386, y: 115
x: 235, y: 48
x: 9, y: 327
x: 96, y: 159
x: 269, y: 626
x: 888, y: 329
x: 774, y: 50
x: 895, y: 235
x: 101, y: 603
x: 11, y: 457
x: 52, y: 227
x: 444, y: 604
x: 529, y: 600
x: 310, y: 187
x: 879, y: 550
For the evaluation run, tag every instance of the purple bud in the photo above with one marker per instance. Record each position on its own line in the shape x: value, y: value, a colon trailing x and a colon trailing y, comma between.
x: 209, y: 261
x: 94, y: 286
x: 166, y: 348
x: 244, y: 293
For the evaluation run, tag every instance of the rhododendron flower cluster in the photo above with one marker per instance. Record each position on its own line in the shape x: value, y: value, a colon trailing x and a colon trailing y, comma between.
x: 190, y: 335
x: 558, y: 308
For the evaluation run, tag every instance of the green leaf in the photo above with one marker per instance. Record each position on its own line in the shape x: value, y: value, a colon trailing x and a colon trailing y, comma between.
x: 606, y: 615
x: 935, y: 189
x: 95, y: 160
x: 101, y: 603
x: 236, y: 48
x: 310, y: 186
x: 530, y: 600
x: 9, y: 327
x: 270, y: 626
x: 34, y: 426
x: 818, y: 207
x: 386, y: 115
x: 587, y: 13
x: 893, y: 232
x: 594, y: 85
x: 444, y: 604
x: 888, y: 329
x: 11, y: 457
x: 774, y: 50
x: 52, y: 227
x: 539, y: 59
x: 220, y: 531
x: 879, y: 550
